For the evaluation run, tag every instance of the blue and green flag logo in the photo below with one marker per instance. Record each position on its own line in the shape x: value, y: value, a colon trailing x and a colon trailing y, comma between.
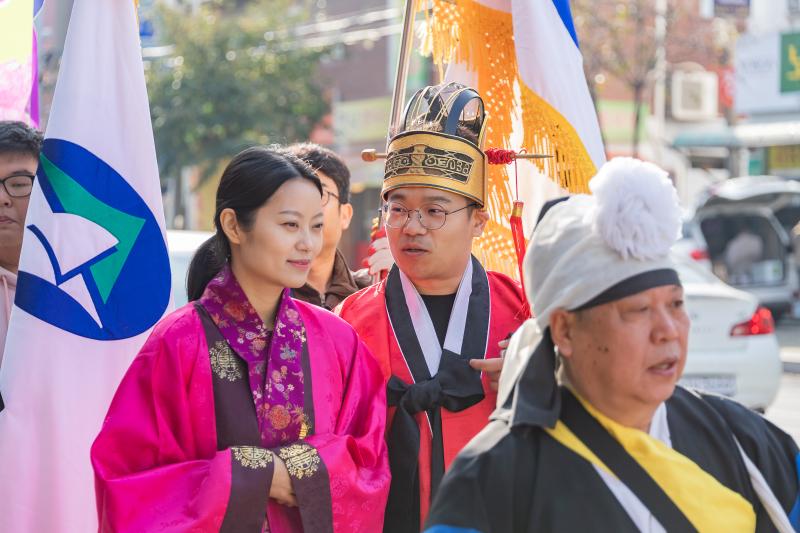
x: 128, y: 283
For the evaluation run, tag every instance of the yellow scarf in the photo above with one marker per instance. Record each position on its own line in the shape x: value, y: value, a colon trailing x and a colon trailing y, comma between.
x: 708, y: 504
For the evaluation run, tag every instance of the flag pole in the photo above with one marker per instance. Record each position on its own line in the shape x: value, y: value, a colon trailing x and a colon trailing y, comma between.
x: 398, y: 96
x: 403, y: 61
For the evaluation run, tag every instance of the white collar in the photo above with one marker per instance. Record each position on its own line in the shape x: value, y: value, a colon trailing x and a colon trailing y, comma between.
x: 423, y: 325
x: 659, y: 428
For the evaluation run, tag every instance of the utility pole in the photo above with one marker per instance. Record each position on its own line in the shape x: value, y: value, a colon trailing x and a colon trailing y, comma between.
x: 660, y: 80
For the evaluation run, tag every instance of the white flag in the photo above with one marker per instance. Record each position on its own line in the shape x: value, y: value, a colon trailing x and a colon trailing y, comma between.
x: 93, y: 279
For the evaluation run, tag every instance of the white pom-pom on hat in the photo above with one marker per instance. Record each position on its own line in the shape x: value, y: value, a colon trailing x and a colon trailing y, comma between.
x: 636, y: 208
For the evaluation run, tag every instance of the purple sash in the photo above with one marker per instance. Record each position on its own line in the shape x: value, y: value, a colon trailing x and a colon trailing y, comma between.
x: 273, y: 357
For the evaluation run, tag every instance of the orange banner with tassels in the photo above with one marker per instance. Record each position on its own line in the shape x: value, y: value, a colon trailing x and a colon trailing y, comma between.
x: 509, y: 68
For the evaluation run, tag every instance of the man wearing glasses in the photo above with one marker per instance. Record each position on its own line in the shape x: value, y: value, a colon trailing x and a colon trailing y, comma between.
x: 330, y: 280
x: 19, y: 159
x: 434, y: 324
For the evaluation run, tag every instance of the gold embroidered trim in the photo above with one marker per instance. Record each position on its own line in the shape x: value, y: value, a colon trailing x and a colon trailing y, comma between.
x: 302, y: 460
x: 224, y: 362
x: 252, y: 457
x: 305, y: 427
x: 421, y: 159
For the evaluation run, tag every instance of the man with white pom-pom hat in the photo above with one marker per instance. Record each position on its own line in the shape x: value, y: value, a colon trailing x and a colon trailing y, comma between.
x: 591, y: 432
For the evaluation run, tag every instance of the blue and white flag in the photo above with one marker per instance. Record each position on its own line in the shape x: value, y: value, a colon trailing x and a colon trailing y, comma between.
x: 94, y: 274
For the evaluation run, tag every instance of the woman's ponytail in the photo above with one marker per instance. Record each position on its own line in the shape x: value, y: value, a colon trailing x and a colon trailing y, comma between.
x: 206, y: 263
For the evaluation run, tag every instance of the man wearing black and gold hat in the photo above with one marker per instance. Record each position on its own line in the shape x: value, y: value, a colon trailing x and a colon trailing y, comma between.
x: 435, y: 322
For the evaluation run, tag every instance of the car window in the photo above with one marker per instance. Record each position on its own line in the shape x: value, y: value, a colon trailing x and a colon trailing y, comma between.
x: 788, y: 216
x: 720, y: 229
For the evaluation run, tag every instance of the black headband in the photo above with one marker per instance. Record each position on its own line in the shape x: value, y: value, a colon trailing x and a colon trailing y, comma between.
x: 633, y: 285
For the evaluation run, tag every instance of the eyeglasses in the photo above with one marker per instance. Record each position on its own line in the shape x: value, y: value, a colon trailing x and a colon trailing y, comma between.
x: 18, y: 185
x: 431, y: 216
x: 326, y: 196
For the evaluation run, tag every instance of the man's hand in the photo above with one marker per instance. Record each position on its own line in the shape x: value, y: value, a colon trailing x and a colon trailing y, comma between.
x: 490, y: 367
x: 503, y: 344
x: 281, y: 489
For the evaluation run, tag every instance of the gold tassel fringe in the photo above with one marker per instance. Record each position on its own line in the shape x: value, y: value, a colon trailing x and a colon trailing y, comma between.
x: 467, y: 32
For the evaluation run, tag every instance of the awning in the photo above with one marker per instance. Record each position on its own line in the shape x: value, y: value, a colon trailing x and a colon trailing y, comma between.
x: 754, y: 135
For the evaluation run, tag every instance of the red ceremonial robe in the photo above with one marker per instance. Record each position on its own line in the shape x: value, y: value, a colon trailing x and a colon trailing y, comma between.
x: 180, y: 449
x: 380, y: 316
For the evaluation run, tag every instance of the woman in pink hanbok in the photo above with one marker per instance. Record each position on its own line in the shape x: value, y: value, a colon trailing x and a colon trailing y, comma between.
x: 247, y: 410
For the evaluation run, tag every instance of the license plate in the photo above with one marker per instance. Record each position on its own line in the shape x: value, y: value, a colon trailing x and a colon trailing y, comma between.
x: 723, y: 385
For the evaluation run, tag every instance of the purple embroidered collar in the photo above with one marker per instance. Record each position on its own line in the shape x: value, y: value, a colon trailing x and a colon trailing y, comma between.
x: 273, y: 357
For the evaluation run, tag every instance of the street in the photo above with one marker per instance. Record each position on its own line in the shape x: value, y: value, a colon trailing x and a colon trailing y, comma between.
x: 785, y: 411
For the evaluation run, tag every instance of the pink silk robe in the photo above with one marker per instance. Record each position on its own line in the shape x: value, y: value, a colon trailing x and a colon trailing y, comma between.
x: 158, y: 466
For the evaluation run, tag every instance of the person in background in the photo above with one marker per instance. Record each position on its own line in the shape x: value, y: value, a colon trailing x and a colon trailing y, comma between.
x: 247, y: 410
x: 330, y: 280
x: 742, y: 253
x: 19, y: 158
